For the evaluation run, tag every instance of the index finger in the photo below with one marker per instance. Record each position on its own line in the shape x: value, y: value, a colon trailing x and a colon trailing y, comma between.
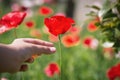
x: 38, y: 42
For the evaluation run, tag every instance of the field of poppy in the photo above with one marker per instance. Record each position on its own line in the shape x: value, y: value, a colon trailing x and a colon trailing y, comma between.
x: 81, y: 53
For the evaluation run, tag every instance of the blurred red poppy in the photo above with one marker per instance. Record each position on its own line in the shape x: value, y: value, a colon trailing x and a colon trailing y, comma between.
x: 92, y: 27
x: 87, y: 41
x: 90, y: 42
x: 52, y: 69
x: 114, y: 72
x: 70, y: 40
x: 58, y: 24
x: 30, y: 24
x: 11, y: 20
x: 44, y: 10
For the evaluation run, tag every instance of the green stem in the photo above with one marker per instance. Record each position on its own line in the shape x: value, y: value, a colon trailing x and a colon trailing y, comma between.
x: 60, y: 55
x: 22, y: 76
x: 15, y: 33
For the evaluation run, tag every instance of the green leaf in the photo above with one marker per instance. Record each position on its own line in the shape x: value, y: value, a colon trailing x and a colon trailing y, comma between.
x: 94, y: 7
x: 98, y: 24
x: 109, y: 14
x: 117, y: 33
x: 91, y: 13
x: 118, y: 8
x: 107, y: 6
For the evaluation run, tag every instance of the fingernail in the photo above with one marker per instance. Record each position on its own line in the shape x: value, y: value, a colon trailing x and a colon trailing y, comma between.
x: 52, y: 49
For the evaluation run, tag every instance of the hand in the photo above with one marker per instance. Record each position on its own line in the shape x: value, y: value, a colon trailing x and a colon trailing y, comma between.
x: 20, y: 51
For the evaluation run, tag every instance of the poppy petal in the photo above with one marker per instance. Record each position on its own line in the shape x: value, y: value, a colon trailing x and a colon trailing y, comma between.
x: 11, y: 20
x: 58, y: 24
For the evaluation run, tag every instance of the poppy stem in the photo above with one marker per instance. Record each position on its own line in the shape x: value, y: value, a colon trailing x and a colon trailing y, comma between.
x: 22, y: 76
x: 60, y: 59
x: 15, y: 33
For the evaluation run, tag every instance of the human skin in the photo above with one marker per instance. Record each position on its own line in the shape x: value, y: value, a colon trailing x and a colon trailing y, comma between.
x: 14, y: 56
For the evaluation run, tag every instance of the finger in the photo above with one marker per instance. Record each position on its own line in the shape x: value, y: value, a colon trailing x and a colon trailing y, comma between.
x: 24, y: 67
x: 38, y: 42
x: 43, y: 49
x: 30, y: 60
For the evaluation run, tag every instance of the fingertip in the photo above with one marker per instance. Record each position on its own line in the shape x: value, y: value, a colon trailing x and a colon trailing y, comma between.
x: 53, y: 49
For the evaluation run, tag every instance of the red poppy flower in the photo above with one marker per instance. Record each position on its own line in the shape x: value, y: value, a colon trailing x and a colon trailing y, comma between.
x: 92, y: 27
x: 30, y: 24
x: 90, y: 42
x: 70, y: 40
x: 58, y: 24
x: 44, y: 10
x: 52, y: 69
x: 11, y: 20
x: 114, y: 72
x: 87, y: 41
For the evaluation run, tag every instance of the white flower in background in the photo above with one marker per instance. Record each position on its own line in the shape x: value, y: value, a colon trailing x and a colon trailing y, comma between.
x: 91, y: 42
x: 107, y: 44
x: 94, y: 44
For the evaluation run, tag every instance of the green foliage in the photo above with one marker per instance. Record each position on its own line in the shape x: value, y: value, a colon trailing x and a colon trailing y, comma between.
x: 109, y: 23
